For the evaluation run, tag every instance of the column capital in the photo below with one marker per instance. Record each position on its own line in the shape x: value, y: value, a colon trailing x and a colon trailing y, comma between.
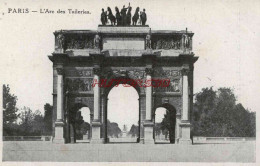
x: 185, y: 71
x: 149, y: 71
x: 60, y: 70
x: 97, y: 71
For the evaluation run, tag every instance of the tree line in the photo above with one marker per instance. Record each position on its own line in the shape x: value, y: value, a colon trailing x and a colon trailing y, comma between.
x: 24, y: 122
x: 216, y: 113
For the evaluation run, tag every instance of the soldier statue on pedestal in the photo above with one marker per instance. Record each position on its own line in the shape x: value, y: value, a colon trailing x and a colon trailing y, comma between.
x: 103, y: 17
x: 143, y: 17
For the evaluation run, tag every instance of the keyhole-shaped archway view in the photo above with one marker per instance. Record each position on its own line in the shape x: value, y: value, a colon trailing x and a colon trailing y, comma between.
x: 83, y: 125
x: 165, y: 124
x: 80, y: 126
x: 123, y: 114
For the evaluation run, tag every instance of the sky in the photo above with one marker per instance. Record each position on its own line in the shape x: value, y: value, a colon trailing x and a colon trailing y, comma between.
x: 226, y: 40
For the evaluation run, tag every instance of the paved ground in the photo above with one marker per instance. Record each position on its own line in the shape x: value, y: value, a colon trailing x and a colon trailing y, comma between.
x: 46, y: 151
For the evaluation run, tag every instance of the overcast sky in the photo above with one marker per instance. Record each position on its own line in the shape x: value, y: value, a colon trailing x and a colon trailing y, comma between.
x: 226, y: 40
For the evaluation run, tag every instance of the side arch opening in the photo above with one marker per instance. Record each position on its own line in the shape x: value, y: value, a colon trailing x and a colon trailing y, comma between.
x: 80, y: 124
x: 165, y: 124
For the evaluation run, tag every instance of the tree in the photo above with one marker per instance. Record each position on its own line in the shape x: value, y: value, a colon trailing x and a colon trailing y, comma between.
x: 48, y: 109
x: 205, y: 103
x: 10, y: 111
x: 253, y: 124
x: 134, y: 131
x: 31, y: 122
x: 215, y: 113
x: 38, y: 125
x: 112, y: 129
x: 85, y: 128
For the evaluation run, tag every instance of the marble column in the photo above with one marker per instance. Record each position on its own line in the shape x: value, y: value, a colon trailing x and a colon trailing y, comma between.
x: 148, y: 124
x: 142, y: 118
x: 185, y: 95
x: 96, y: 123
x: 103, y: 117
x: 96, y: 89
x: 59, y: 123
x: 185, y: 121
x: 72, y: 138
x: 178, y: 121
x: 91, y: 120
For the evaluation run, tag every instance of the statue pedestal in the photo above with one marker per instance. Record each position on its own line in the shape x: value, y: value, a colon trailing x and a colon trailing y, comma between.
x: 59, y: 139
x: 185, y: 134
x: 96, y: 134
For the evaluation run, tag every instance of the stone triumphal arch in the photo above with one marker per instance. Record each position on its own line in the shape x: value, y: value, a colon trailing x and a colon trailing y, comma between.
x: 135, y: 54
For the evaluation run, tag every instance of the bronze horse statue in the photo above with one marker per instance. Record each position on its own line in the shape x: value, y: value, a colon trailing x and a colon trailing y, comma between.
x: 136, y: 16
x: 111, y: 17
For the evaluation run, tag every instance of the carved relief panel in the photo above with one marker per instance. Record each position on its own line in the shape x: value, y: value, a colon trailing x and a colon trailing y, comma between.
x: 166, y: 42
x: 172, y: 76
x: 177, y: 42
x: 79, y: 41
x: 134, y: 77
x: 79, y: 80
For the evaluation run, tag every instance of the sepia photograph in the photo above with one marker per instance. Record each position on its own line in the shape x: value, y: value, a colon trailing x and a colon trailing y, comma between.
x: 125, y: 81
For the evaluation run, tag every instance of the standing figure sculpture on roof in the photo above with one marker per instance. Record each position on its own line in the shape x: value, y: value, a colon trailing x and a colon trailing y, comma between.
x: 103, y: 17
x: 140, y: 19
x: 123, y: 15
x: 143, y: 17
x: 186, y: 41
x: 111, y: 17
x: 136, y: 16
x: 128, y: 15
x: 61, y: 41
x: 148, y: 42
x: 118, y: 17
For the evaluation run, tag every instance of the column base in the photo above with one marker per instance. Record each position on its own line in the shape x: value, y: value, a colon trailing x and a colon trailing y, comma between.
x: 149, y: 141
x: 107, y: 140
x: 185, y: 141
x: 72, y: 141
x: 96, y: 127
x: 177, y: 140
x: 141, y: 140
x: 148, y: 132
x: 59, y: 139
x: 185, y: 133
x: 97, y: 141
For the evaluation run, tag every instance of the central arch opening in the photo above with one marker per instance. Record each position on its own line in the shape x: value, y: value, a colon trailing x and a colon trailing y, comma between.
x: 123, y: 114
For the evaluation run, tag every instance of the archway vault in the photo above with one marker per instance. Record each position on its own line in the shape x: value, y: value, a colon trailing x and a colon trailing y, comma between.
x: 117, y: 80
